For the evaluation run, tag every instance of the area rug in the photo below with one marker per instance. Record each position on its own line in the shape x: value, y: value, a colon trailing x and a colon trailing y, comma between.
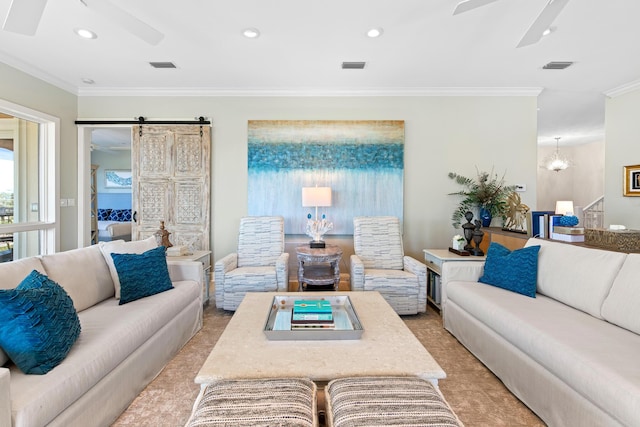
x: 474, y: 393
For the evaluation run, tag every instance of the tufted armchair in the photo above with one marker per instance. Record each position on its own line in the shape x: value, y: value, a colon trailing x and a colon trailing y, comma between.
x: 259, y: 265
x: 379, y: 264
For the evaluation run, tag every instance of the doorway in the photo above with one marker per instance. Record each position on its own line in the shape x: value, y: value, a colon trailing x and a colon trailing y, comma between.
x: 109, y: 147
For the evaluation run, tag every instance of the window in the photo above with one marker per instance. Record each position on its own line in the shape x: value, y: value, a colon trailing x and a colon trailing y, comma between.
x: 28, y: 148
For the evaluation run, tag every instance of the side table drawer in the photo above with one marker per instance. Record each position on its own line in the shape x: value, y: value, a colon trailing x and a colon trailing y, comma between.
x: 433, y: 262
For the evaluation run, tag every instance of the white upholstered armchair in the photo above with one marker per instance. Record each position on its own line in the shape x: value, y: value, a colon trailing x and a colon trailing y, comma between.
x: 259, y: 265
x: 379, y: 264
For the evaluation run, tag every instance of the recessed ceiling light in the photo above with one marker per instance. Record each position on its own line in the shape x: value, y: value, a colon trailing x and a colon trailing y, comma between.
x: 548, y: 31
x: 375, y: 32
x: 251, y: 33
x: 88, y: 81
x: 85, y: 34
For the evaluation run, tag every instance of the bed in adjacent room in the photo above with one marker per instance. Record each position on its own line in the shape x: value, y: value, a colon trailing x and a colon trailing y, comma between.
x: 114, y: 224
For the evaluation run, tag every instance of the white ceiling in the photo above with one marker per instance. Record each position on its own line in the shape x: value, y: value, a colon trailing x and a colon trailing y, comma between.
x: 424, y: 50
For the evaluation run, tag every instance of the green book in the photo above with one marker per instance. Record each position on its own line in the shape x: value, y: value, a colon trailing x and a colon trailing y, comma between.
x: 312, y: 306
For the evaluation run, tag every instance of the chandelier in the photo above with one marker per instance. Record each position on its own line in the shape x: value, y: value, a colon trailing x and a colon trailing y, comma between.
x: 556, y: 162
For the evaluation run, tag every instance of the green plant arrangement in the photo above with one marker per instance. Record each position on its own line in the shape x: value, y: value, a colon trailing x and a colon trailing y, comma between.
x: 486, y: 191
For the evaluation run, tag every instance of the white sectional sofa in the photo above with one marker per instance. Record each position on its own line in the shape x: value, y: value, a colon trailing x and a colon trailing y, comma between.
x: 121, y: 348
x: 571, y: 353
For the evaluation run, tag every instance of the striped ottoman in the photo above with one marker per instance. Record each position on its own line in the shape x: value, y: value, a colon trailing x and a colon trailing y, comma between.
x: 386, y: 401
x: 256, y: 402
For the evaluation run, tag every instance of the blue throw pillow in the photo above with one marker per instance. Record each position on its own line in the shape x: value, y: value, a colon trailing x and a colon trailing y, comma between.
x: 38, y: 324
x: 516, y: 271
x: 142, y: 275
x: 120, y: 215
x: 103, y: 214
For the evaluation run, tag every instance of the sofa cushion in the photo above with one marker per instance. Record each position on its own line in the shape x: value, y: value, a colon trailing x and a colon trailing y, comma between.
x: 12, y: 273
x: 515, y: 271
x: 38, y: 324
x: 142, y: 275
x: 122, y: 247
x: 83, y: 273
x: 622, y: 304
x: 583, y: 286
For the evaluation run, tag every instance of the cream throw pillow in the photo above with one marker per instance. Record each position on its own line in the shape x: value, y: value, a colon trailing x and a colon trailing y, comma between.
x: 122, y: 247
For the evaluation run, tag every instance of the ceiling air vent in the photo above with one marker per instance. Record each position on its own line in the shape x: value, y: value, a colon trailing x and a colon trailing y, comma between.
x: 353, y: 65
x: 162, y: 64
x: 557, y: 65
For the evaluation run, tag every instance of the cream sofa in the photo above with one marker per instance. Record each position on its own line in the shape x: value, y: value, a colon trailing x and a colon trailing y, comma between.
x: 121, y: 348
x: 571, y: 353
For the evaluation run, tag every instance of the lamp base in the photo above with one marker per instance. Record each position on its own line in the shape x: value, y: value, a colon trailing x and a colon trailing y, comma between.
x: 317, y: 244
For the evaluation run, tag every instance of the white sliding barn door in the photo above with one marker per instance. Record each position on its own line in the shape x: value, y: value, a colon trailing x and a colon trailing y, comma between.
x: 171, y: 178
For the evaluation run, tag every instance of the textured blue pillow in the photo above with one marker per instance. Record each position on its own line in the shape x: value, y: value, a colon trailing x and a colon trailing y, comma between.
x: 38, y: 324
x: 515, y: 271
x: 121, y: 215
x: 142, y: 275
x: 103, y: 214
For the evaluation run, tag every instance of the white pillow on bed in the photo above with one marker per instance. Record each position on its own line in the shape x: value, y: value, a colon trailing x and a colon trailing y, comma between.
x: 122, y: 247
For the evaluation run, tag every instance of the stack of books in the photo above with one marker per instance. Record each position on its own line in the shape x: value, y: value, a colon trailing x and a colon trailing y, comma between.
x: 568, y: 234
x: 307, y: 314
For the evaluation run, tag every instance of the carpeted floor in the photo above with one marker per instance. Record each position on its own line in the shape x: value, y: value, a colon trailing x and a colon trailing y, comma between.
x: 474, y: 393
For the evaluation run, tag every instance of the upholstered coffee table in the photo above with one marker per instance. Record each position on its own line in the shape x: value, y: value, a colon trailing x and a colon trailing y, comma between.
x: 386, y: 347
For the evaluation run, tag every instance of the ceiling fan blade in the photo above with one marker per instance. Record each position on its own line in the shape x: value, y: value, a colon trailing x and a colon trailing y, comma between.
x: 543, y: 22
x: 125, y: 20
x: 24, y: 16
x: 466, y: 5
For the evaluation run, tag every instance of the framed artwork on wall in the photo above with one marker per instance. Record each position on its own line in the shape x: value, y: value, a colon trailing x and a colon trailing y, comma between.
x: 632, y: 181
x: 361, y: 161
x: 117, y: 178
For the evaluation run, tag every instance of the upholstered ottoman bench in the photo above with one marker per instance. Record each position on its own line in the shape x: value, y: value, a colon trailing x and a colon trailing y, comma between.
x: 386, y: 401
x: 256, y: 402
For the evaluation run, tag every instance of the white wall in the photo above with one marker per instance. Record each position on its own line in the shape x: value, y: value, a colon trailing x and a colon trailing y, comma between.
x: 22, y: 89
x: 622, y: 127
x: 442, y: 134
x: 117, y: 159
x: 583, y: 182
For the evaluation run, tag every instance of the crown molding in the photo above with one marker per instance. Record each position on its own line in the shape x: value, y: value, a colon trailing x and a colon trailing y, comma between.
x: 37, y: 73
x: 623, y: 89
x: 309, y: 92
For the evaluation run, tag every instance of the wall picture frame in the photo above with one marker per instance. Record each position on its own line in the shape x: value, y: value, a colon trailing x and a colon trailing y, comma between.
x: 117, y: 178
x: 631, y: 181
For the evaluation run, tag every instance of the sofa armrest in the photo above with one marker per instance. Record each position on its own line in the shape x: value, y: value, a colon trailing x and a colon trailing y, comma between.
x: 418, y: 268
x: 468, y: 271
x: 282, y: 272
x: 5, y: 397
x: 357, y: 273
x: 220, y: 268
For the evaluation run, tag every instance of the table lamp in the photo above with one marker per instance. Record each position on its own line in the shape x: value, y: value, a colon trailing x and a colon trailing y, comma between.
x: 316, y: 197
x: 564, y: 207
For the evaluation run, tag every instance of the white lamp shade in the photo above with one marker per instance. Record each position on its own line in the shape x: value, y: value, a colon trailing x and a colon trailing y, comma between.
x: 316, y: 196
x: 564, y: 207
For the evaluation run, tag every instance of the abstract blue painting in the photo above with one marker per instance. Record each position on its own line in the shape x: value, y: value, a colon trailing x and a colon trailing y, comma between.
x: 362, y: 161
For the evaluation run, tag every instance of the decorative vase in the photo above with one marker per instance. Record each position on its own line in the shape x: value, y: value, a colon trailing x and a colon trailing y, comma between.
x: 477, y: 239
x: 468, y: 228
x: 485, y: 216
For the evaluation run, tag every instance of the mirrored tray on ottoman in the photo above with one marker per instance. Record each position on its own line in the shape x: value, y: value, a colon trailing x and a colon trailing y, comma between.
x: 278, y: 324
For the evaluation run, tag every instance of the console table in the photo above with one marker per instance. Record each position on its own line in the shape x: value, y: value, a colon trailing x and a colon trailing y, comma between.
x: 318, y: 266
